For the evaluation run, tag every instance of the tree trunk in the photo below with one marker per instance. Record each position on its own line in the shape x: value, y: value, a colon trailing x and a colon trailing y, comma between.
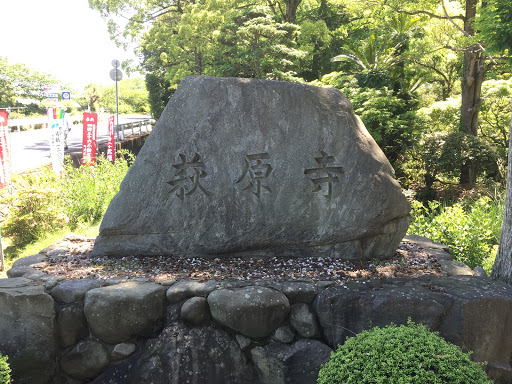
x: 291, y: 10
x: 502, y: 269
x: 198, y: 61
x: 474, y: 75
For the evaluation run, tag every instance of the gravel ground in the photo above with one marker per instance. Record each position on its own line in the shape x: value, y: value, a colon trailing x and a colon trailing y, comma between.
x: 71, y: 259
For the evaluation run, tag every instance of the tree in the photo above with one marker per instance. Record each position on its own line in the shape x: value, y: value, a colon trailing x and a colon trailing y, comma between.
x: 159, y: 93
x: 91, y: 95
x: 132, y: 97
x: 253, y: 44
x: 502, y: 269
x: 496, y: 28
x: 495, y: 114
x: 20, y: 81
x: 477, y: 61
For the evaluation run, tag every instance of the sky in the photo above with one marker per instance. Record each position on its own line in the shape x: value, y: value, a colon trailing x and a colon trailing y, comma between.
x: 64, y: 38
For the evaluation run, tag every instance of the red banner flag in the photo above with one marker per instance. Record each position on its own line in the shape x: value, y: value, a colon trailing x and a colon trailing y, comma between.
x: 111, y: 148
x: 89, y: 138
x: 4, y: 149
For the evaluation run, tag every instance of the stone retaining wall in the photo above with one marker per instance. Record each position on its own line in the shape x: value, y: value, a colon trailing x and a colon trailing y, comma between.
x: 135, y: 331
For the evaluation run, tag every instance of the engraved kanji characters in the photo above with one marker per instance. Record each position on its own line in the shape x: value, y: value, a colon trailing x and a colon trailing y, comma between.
x: 326, y: 174
x: 188, y: 177
x: 256, y: 169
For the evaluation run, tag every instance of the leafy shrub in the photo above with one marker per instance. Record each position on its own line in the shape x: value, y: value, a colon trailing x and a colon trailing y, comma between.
x: 470, y: 229
x: 407, y: 354
x: 5, y: 370
x: 46, y: 203
x: 442, y: 116
x: 439, y: 158
x: 447, y: 154
x: 87, y: 191
x: 494, y: 115
x: 33, y: 212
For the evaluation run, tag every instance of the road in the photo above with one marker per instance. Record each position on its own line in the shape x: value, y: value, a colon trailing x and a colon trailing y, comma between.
x: 31, y: 149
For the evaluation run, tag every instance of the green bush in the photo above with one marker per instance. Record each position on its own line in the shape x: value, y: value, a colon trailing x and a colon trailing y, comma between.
x: 33, y: 212
x: 87, y: 191
x: 400, y: 355
x: 45, y: 203
x: 5, y: 370
x: 471, y: 229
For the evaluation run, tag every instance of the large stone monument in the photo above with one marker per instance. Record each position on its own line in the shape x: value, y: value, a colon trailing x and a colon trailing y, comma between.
x: 239, y: 167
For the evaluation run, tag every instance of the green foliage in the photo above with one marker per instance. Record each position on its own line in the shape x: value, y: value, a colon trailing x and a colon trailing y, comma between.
x: 495, y: 25
x: 5, y: 370
x: 314, y: 39
x: 445, y: 155
x: 86, y: 191
x: 442, y: 116
x: 45, y: 203
x: 159, y: 93
x: 20, y: 81
x: 132, y: 97
x: 494, y: 117
x: 399, y: 355
x: 390, y: 117
x: 254, y: 44
x: 471, y: 229
x: 376, y: 53
x: 33, y: 212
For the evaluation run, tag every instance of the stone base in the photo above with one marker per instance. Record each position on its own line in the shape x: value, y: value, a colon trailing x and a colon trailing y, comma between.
x: 231, y: 332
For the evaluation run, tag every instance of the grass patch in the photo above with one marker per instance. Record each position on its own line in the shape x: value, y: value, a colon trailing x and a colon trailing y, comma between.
x: 15, y: 252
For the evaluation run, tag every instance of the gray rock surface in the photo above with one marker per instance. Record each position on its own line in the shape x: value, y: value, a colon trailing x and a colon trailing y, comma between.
x: 499, y: 373
x: 27, y: 264
x: 455, y: 268
x: 298, y: 363
x: 304, y: 321
x: 240, y: 167
x: 196, y: 356
x: 71, y: 325
x: 120, y: 312
x: 52, y: 281
x: 243, y: 341
x: 122, y: 351
x: 195, y: 311
x: 480, y: 318
x: 283, y: 334
x: 71, y: 291
x: 86, y: 360
x: 299, y: 292
x: 253, y: 311
x: 479, y: 272
x: 184, y: 289
x: 27, y: 327
x: 345, y: 312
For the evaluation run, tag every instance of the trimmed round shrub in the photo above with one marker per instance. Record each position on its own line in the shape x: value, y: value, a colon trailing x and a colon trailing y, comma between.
x: 400, y: 355
x: 5, y: 370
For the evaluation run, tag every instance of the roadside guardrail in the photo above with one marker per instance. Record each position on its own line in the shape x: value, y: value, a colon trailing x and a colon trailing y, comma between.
x: 133, y: 127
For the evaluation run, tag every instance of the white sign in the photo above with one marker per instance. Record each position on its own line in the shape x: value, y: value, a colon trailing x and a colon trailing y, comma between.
x: 57, y: 144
